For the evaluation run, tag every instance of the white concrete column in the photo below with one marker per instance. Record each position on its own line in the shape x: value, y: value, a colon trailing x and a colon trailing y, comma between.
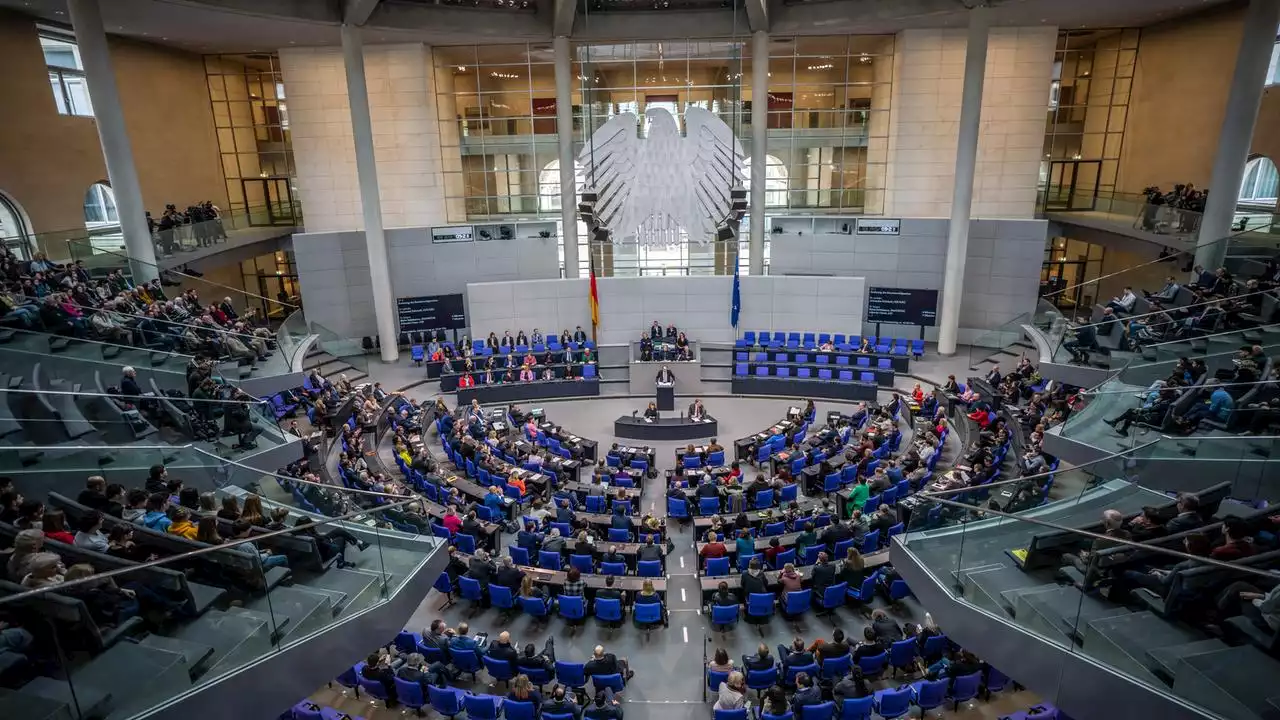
x: 375, y: 240
x: 975, y: 66
x: 1236, y: 135
x: 91, y: 37
x: 759, y: 147
x: 568, y: 175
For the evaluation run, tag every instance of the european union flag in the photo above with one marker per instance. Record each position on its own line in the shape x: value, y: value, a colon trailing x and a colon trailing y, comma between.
x: 736, y: 303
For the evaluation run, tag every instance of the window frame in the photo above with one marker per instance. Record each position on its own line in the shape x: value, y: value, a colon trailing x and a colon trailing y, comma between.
x: 64, y: 100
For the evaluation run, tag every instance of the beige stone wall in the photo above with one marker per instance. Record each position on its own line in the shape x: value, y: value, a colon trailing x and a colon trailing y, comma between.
x: 48, y: 161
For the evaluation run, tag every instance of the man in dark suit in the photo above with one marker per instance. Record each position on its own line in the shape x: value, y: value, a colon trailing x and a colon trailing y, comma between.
x: 795, y: 656
x: 129, y: 388
x: 838, y: 532
x: 665, y: 375
x: 613, y: 556
x: 696, y: 410
x: 655, y: 331
x: 753, y: 581
x: 603, y: 663
x: 608, y: 592
x: 994, y: 377
x: 480, y: 568
x: 824, y: 575
x: 579, y: 336
x: 1188, y: 517
x: 553, y: 543
x: 504, y: 651
x: 378, y: 668
x: 807, y: 693
x: 562, y: 704
x: 648, y: 551
x: 762, y: 660
x: 509, y: 576
x: 529, y: 538
x: 564, y: 513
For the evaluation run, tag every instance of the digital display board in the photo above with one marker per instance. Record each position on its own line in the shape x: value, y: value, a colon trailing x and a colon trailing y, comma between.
x: 902, y: 306
x: 430, y: 312
x: 453, y: 233
x: 879, y: 226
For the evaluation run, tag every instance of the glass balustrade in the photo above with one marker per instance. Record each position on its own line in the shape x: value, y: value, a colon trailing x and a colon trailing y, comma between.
x: 1130, y: 602
x: 349, y: 350
x: 162, y: 615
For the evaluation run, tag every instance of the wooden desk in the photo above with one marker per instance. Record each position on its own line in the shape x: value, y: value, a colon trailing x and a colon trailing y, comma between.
x: 630, y: 584
x: 734, y: 579
x: 702, y: 523
x: 611, y: 491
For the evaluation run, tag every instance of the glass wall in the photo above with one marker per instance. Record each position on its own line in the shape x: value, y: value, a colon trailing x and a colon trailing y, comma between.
x: 829, y: 121
x: 1068, y: 264
x: 252, y: 121
x: 1088, y: 104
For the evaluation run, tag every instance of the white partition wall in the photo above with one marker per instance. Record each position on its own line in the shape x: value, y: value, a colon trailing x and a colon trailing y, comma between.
x: 697, y: 305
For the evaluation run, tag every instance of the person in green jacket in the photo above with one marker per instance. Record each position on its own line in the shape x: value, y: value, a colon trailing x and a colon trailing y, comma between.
x: 857, y: 496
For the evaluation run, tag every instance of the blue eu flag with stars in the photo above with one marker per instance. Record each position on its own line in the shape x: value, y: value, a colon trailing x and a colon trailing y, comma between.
x: 736, y: 303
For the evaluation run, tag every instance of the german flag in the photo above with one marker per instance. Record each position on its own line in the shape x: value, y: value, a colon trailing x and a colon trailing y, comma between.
x: 595, y: 302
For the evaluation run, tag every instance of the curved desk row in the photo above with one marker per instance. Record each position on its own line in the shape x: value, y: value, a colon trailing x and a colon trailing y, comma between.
x: 537, y: 390
x: 664, y: 429
x: 801, y: 388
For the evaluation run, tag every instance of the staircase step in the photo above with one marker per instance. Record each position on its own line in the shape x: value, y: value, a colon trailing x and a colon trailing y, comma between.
x: 1166, y: 659
x: 47, y: 699
x: 234, y: 637
x: 307, y: 610
x: 991, y: 584
x: 359, y: 588
x: 1123, y: 641
x: 196, y: 654
x: 277, y: 623
x: 1064, y: 610
x: 137, y: 677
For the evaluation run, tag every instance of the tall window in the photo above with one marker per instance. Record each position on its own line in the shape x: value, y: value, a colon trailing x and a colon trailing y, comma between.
x: 1273, y: 70
x: 14, y: 233
x: 66, y: 74
x: 549, y: 185
x: 100, y: 207
x: 1260, y: 182
x: 775, y: 181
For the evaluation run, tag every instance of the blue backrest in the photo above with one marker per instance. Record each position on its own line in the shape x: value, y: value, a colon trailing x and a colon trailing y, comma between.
x: 649, y: 568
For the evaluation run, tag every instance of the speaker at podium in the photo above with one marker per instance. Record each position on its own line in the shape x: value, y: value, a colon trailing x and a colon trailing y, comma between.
x: 665, y: 383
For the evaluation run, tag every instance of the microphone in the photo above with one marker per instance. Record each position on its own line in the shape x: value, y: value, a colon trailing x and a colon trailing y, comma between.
x: 634, y: 413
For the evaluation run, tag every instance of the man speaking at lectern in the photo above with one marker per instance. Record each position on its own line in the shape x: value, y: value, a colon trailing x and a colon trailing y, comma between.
x: 665, y: 376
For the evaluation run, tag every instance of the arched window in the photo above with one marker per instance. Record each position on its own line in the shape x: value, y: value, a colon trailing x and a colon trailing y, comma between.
x: 549, y: 185
x: 100, y: 207
x: 775, y: 181
x: 1260, y: 182
x: 15, y: 233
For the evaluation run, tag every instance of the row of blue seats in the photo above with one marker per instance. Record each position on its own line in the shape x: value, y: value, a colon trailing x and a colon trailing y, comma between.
x: 740, y: 369
x: 573, y: 608
x: 859, y: 361
x: 810, y: 341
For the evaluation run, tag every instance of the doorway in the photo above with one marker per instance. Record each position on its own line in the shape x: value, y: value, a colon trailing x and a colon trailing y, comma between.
x: 270, y: 201
x: 1073, y: 184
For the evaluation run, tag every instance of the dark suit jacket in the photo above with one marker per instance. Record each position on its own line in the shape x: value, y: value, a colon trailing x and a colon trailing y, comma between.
x: 753, y: 584
x: 755, y: 662
x: 824, y: 576
x: 509, y: 577
x: 480, y: 570
x: 607, y: 665
x: 560, y: 707
x: 811, y: 695
x: 1182, y: 522
x: 506, y: 653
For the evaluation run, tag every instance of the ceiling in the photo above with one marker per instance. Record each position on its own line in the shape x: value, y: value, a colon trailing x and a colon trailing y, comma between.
x: 232, y: 26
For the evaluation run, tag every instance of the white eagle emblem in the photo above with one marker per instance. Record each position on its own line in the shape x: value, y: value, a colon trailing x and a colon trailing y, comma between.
x: 648, y: 189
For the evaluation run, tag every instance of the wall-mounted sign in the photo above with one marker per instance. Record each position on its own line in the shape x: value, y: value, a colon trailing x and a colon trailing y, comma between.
x: 452, y: 234
x: 879, y: 226
x: 902, y: 306
x: 431, y: 312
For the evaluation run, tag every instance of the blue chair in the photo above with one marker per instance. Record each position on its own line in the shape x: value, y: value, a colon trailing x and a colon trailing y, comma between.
x: 890, y: 704
x: 740, y: 368
x: 871, y: 505
x: 784, y: 557
x: 873, y: 665
x: 833, y: 597
x: 647, y: 615
x: 716, y: 459
x: 519, y: 555
x: 548, y: 560
x: 572, y: 675
x: 572, y: 607
x: 482, y: 707
x: 788, y: 715
x: 502, y: 598
x: 536, y: 607
x: 516, y: 710
x: 465, y: 543
x: 789, y: 676
x: 836, y: 667
x: 898, y: 590
x: 613, y: 681
x: 677, y: 508
x: 857, y: 709
x: 744, y: 561
x: 691, y: 462
x: 708, y: 506
x: 609, y: 610
x: 762, y: 371
x: 649, y: 568
x: 613, y: 568
x: 467, y: 662
x: 406, y: 642
x: 771, y: 529
x: 373, y: 688
x: 764, y: 499
x: 964, y: 688
x: 789, y: 493
x: 619, y: 535
x: 717, y: 567
x: 761, y: 680
x: 724, y: 617
x: 350, y: 678
x: 811, y: 554
x: 996, y: 682
x: 499, y: 670
x: 870, y: 542
x: 902, y: 656
x: 784, y: 371
x: 739, y: 714
x: 446, y: 701
x: 585, y: 563
x: 823, y: 711
x: 470, y: 589
x: 759, y: 606
x: 865, y: 377
x: 715, y: 679
x: 831, y: 483
x: 929, y: 694
x: 595, y: 504
x: 866, y: 593
x: 842, y: 548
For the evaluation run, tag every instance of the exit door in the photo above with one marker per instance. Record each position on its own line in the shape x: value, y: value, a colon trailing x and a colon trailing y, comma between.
x: 270, y: 201
x: 1073, y: 184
